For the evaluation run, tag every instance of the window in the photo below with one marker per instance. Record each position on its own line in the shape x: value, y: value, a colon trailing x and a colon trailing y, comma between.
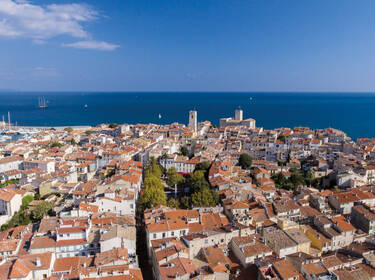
x: 154, y: 235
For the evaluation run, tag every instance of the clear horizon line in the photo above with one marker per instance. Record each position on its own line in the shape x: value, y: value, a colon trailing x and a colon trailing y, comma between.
x: 173, y: 91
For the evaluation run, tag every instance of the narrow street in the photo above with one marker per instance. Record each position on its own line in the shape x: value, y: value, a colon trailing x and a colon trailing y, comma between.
x: 143, y: 259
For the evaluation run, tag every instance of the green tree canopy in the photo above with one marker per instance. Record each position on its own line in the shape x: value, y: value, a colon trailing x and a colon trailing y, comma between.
x: 198, y: 181
x: 152, y: 181
x: 68, y: 129
x: 309, y: 177
x: 296, y: 178
x: 185, y: 202
x: 204, y: 166
x: 41, y: 210
x: 153, y: 196
x: 153, y: 169
x: 184, y: 151
x: 113, y: 125
x: 26, y: 201
x: 281, y: 138
x: 245, y: 161
x: 173, y: 203
x: 56, y: 144
x: 173, y: 177
x: 153, y: 192
x: 204, y: 197
x: 19, y: 218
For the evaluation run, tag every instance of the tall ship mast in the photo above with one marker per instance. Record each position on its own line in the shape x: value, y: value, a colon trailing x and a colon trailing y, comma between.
x: 42, y: 103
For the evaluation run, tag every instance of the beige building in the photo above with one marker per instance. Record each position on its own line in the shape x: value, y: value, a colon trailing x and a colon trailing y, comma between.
x: 362, y: 217
x: 249, y: 248
x: 10, y: 203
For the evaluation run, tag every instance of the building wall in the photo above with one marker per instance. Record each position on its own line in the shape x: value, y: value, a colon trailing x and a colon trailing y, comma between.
x: 14, y: 204
x: 116, y: 242
x: 125, y: 207
x: 10, y: 165
x: 360, y: 221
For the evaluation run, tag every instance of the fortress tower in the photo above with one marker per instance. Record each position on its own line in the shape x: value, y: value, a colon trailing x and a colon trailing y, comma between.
x: 193, y: 120
x: 238, y: 115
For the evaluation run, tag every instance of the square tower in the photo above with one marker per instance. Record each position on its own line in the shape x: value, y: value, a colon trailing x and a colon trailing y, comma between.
x: 238, y: 115
x: 193, y: 120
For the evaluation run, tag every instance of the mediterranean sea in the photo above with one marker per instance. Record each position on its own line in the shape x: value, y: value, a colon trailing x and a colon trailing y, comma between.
x: 354, y: 113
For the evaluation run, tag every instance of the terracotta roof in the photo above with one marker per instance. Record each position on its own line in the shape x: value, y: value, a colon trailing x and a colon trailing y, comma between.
x: 42, y: 242
x: 70, y: 242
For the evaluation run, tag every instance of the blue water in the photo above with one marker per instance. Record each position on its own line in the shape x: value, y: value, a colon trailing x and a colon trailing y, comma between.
x: 352, y: 113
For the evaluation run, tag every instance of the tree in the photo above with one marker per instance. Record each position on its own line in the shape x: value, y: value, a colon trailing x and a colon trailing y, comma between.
x: 296, y: 177
x: 152, y: 181
x: 73, y: 142
x: 309, y: 177
x: 173, y: 178
x: 282, y: 138
x: 215, y: 197
x: 280, y: 180
x: 204, y: 166
x: 113, y: 125
x: 68, y: 129
x: 153, y: 196
x: 185, y: 202
x: 153, y: 192
x: 245, y: 161
x: 19, y: 218
x: 41, y: 210
x: 198, y: 181
x: 184, y: 151
x: 56, y: 144
x: 26, y: 201
x: 173, y: 203
x: 203, y: 198
x: 153, y: 169
x: 88, y: 132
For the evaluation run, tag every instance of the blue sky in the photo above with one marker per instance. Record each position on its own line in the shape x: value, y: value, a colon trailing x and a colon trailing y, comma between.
x: 187, y: 45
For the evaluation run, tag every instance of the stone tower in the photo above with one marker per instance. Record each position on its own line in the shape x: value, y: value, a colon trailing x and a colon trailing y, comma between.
x: 238, y: 115
x: 193, y: 120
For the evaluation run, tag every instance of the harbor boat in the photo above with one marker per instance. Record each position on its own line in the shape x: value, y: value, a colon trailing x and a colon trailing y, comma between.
x: 159, y: 116
x: 42, y: 104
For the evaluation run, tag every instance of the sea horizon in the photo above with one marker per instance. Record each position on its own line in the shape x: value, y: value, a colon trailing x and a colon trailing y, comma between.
x: 349, y: 112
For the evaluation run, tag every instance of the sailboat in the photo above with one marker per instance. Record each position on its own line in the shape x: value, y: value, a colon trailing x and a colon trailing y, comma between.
x: 42, y: 103
x: 159, y: 116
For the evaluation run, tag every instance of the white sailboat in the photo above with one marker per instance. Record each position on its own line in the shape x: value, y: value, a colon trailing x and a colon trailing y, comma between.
x: 42, y: 103
x: 159, y: 116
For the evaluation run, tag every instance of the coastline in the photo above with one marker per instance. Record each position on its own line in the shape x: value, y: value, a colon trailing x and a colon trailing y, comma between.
x: 74, y: 127
x: 351, y: 113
